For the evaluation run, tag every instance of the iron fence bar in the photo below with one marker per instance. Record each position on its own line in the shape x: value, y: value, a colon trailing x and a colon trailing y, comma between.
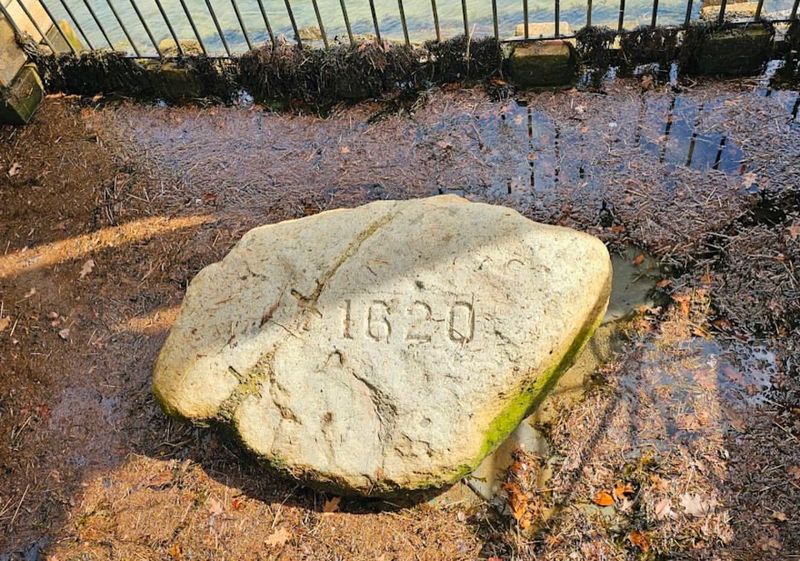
x: 241, y: 24
x: 347, y: 23
x: 97, y: 21
x: 77, y: 25
x: 654, y: 16
x: 688, y: 14
x: 58, y: 27
x: 294, y: 23
x: 436, y: 21
x: 403, y: 21
x: 36, y: 26
x: 169, y: 26
x: 621, y: 23
x: 124, y: 29
x: 557, y: 17
x: 525, y: 33
x: 144, y: 25
x: 266, y: 22
x: 375, y: 20
x: 588, y: 13
x: 319, y: 23
x: 213, y: 15
x: 495, y: 26
x: 757, y: 15
x: 194, y: 27
x: 721, y: 15
x: 793, y: 16
x: 466, y: 19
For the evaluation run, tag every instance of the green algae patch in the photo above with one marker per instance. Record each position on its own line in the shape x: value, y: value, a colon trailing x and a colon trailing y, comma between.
x: 531, y: 397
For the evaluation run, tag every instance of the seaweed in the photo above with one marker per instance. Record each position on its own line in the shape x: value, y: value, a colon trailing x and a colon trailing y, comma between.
x: 462, y: 58
x: 284, y: 73
x: 320, y: 76
x: 112, y: 72
x: 647, y: 45
x: 593, y: 46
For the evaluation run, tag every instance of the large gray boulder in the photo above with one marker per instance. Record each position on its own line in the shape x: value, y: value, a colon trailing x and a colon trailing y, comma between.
x: 385, y: 348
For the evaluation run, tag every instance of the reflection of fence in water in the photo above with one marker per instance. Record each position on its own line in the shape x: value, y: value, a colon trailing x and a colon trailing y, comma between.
x: 222, y: 28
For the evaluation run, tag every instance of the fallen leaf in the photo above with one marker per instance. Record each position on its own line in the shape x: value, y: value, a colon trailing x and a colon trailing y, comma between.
x: 30, y: 293
x: 517, y: 501
x: 214, y: 507
x: 87, y: 268
x: 14, y: 169
x: 175, y: 551
x: 64, y: 334
x: 638, y: 260
x: 694, y: 505
x: 794, y: 230
x: 639, y: 540
x: 663, y: 509
x: 663, y: 283
x: 4, y: 323
x: 683, y: 303
x: 722, y: 324
x: 621, y: 489
x: 794, y: 471
x: 603, y: 498
x: 344, y: 150
x: 278, y: 538
x: 332, y: 504
x: 749, y: 179
x: 779, y: 516
x: 237, y: 504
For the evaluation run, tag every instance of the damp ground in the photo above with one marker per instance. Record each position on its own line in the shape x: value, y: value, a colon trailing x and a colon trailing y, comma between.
x: 678, y: 438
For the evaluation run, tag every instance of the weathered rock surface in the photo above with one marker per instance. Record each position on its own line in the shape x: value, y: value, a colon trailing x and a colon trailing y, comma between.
x: 385, y: 348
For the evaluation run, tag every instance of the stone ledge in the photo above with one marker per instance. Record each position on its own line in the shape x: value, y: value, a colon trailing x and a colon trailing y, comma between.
x: 733, y: 52
x: 22, y: 99
x: 543, y: 64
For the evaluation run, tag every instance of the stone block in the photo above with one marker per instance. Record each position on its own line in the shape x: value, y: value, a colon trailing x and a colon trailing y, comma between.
x: 189, y: 47
x: 735, y: 11
x: 22, y: 99
x: 539, y: 30
x: 731, y: 52
x: 173, y: 81
x: 543, y: 64
x: 12, y: 57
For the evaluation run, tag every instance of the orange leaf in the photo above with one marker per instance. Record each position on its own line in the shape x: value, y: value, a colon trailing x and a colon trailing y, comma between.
x: 331, y: 505
x: 639, y: 540
x: 603, y: 498
x: 517, y: 500
x: 622, y: 489
x: 663, y: 283
x: 638, y: 260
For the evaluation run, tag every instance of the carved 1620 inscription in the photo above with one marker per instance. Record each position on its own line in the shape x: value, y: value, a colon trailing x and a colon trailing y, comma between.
x: 419, y: 322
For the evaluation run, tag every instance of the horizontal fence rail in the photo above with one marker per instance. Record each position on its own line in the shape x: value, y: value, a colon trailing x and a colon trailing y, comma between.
x: 225, y: 28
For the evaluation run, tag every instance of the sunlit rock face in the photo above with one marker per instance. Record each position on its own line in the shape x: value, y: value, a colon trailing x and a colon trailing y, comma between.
x: 386, y: 348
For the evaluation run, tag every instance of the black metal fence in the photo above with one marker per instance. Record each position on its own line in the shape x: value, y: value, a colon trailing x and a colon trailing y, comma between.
x: 222, y: 28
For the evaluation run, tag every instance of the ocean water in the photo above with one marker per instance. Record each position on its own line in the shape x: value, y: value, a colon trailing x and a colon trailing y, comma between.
x: 419, y: 17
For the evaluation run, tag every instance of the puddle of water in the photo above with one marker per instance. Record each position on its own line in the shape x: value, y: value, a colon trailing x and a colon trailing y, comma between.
x: 635, y: 276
